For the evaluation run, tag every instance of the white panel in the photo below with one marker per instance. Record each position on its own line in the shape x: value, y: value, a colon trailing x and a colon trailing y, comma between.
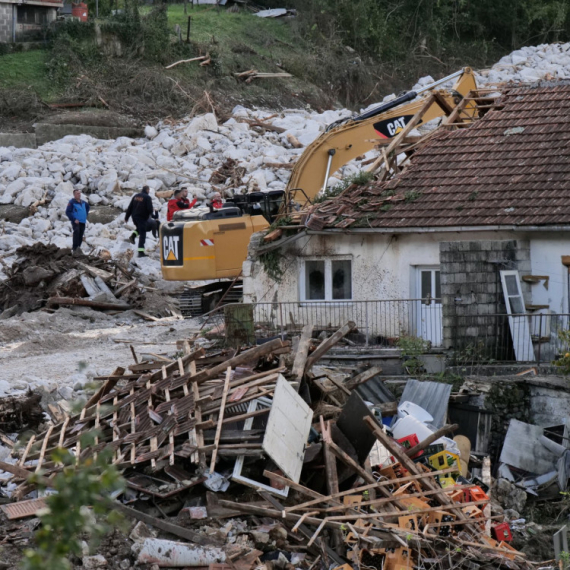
x: 287, y: 429
x: 519, y: 325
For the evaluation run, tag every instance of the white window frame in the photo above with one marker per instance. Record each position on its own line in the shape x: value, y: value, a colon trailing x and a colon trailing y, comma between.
x: 328, y: 300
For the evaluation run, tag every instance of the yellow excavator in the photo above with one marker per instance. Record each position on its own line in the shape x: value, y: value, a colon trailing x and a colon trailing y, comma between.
x: 204, y: 244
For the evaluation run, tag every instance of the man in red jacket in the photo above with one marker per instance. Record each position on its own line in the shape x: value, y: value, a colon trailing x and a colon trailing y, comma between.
x: 179, y: 202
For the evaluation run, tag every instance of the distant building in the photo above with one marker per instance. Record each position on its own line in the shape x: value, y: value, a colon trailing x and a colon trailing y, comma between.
x: 24, y: 21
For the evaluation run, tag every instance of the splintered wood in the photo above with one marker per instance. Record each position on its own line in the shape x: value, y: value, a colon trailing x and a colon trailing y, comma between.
x: 157, y: 416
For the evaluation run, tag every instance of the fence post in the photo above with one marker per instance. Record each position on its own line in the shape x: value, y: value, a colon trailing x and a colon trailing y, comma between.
x: 539, y: 337
x: 366, y: 321
x: 281, y: 318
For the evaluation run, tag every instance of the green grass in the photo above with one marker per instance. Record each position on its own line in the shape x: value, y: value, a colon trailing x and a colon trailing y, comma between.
x: 24, y: 69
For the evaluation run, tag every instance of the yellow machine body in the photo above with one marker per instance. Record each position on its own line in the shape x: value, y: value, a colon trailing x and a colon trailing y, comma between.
x: 206, y: 249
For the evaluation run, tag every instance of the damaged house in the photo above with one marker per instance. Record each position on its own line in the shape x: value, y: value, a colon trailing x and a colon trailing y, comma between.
x: 21, y: 22
x: 467, y: 247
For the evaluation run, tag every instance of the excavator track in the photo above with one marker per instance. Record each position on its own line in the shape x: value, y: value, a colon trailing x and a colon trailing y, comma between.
x: 195, y: 301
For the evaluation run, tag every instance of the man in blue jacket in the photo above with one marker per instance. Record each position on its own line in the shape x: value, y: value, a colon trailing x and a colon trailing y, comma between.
x: 141, y: 210
x: 77, y: 211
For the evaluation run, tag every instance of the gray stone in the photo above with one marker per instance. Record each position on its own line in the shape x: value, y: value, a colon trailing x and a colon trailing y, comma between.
x: 103, y: 214
x: 13, y: 213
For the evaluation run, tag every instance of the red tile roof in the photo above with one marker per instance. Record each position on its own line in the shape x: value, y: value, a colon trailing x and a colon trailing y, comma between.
x: 512, y: 167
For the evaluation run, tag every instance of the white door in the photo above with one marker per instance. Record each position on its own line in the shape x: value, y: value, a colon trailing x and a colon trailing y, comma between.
x: 429, y: 314
x: 518, y: 321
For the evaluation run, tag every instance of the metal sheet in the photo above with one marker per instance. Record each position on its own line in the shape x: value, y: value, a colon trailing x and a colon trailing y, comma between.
x: 23, y: 509
x: 522, y: 449
x: 375, y: 391
x: 351, y: 424
x: 287, y: 429
x: 433, y: 397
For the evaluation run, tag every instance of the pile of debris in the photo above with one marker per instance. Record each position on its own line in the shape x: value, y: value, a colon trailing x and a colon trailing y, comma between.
x: 315, y: 493
x: 44, y: 275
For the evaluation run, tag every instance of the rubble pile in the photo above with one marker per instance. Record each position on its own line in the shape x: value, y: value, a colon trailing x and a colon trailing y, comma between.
x: 229, y: 453
x: 44, y: 275
x: 252, y: 150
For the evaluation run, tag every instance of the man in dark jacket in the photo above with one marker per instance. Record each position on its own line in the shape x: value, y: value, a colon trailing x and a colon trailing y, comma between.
x: 77, y: 211
x: 141, y: 210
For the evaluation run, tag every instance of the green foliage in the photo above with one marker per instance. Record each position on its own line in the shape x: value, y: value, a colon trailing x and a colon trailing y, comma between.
x: 271, y: 262
x: 412, y: 347
x: 472, y: 354
x: 359, y: 179
x: 563, y: 361
x: 392, y: 31
x: 411, y: 196
x: 68, y: 516
x: 456, y: 380
x: 565, y: 559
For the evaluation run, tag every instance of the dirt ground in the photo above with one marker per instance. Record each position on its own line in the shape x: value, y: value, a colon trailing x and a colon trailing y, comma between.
x: 56, y: 350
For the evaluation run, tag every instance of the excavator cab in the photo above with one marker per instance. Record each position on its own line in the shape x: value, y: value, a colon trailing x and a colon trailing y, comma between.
x: 203, y: 244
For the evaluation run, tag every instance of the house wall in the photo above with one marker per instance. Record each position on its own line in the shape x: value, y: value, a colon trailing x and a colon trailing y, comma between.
x: 6, y: 22
x: 472, y: 292
x: 385, y: 267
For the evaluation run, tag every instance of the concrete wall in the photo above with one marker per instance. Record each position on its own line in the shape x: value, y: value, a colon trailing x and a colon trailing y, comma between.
x: 471, y: 290
x: 18, y: 140
x: 6, y: 23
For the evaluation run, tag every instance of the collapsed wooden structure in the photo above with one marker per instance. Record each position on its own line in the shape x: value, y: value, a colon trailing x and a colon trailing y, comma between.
x: 181, y: 418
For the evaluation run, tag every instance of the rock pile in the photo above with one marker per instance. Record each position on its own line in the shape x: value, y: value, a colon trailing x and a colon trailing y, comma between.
x: 253, y: 150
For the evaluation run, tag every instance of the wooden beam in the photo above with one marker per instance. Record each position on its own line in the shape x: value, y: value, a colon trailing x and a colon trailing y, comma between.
x: 327, y: 344
x: 397, y: 140
x: 302, y: 353
x: 251, y: 355
x: 363, y: 377
x: 430, y: 439
x: 220, y: 419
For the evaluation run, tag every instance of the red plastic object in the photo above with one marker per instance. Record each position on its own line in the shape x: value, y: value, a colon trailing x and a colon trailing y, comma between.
x: 410, y: 441
x: 79, y: 11
x: 502, y: 532
x: 477, y: 494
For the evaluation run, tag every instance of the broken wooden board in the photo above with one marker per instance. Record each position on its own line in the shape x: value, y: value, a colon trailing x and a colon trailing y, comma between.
x: 287, y: 429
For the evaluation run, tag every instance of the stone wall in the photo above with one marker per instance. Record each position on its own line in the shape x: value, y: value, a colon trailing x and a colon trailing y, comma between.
x: 471, y: 292
x: 6, y: 23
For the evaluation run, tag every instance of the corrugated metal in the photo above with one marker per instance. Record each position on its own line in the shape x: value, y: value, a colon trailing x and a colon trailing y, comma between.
x: 431, y: 396
x: 375, y: 391
x: 512, y: 167
x: 23, y: 509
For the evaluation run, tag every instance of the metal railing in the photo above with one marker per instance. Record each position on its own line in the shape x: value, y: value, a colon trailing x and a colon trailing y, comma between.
x: 378, y: 323
x: 470, y: 339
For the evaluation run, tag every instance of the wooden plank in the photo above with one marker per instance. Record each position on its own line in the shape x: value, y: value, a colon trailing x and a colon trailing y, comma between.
x: 174, y: 529
x: 363, y: 488
x: 251, y: 355
x: 302, y: 353
x: 363, y: 377
x: 220, y: 419
x: 330, y: 460
x: 106, y: 388
x: 327, y: 344
x: 397, y: 140
x: 43, y: 450
x: 430, y: 439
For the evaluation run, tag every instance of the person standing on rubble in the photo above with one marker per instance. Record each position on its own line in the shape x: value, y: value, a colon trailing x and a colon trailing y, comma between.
x: 144, y: 217
x: 77, y: 211
x: 179, y: 202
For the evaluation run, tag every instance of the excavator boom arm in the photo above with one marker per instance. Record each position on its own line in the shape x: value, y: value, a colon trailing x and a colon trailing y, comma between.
x: 340, y: 144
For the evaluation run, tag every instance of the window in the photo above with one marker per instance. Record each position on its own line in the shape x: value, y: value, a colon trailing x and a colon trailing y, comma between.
x: 430, y: 284
x: 32, y: 15
x: 326, y: 280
